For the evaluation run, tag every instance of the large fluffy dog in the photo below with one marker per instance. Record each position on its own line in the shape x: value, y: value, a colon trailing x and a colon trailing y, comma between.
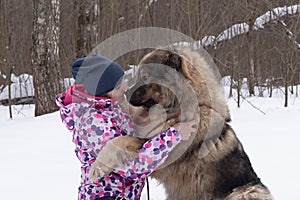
x: 212, y: 164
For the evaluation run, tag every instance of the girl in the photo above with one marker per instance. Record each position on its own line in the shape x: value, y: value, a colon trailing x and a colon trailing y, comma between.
x: 91, y: 111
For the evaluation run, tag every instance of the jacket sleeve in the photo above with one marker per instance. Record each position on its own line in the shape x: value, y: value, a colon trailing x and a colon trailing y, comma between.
x: 66, y: 112
x: 152, y: 155
x: 91, y: 130
x: 125, y: 124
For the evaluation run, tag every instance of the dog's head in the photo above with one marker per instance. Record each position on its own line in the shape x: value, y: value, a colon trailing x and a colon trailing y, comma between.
x: 180, y: 81
x: 162, y: 79
x: 163, y: 92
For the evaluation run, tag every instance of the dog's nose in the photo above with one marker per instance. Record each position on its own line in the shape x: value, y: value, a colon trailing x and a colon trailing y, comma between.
x: 150, y: 103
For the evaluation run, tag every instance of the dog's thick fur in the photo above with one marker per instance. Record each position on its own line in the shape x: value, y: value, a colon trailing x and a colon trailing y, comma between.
x: 212, y: 164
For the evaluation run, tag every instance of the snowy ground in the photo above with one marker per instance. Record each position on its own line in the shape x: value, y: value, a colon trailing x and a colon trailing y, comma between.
x: 37, y: 159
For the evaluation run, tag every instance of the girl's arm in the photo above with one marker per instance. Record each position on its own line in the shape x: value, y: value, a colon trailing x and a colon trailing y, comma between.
x: 152, y: 155
x: 66, y: 112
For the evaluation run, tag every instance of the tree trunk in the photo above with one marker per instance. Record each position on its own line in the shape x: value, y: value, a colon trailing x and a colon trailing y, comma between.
x: 270, y: 89
x: 232, y: 72
x: 286, y: 93
x: 231, y: 85
x: 45, y: 57
x: 82, y: 29
x: 251, y: 60
x: 239, y: 93
x: 7, y: 7
x: 9, y: 92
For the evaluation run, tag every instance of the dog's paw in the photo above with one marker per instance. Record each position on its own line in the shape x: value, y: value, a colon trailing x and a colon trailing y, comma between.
x: 98, y: 170
x: 118, y: 151
x: 127, y: 154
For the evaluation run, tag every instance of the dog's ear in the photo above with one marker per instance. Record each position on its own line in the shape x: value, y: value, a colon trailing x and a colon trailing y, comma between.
x: 174, y: 61
x: 179, y: 63
x: 186, y: 69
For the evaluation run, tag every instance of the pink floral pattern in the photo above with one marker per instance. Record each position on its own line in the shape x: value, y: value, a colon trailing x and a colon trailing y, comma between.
x: 93, y: 123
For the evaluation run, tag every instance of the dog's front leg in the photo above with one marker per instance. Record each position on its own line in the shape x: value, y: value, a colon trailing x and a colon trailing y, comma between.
x: 114, y: 154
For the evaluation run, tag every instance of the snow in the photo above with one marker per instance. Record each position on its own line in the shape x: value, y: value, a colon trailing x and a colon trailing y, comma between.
x: 274, y: 14
x: 234, y: 30
x: 241, y: 28
x: 38, y: 161
x: 271, y: 141
x: 22, y: 86
x: 207, y: 40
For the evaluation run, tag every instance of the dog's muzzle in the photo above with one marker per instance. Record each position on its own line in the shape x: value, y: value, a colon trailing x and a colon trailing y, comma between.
x: 135, y: 93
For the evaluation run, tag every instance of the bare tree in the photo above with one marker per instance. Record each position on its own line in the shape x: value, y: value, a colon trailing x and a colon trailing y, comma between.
x: 45, y: 57
x: 82, y: 28
x: 67, y: 35
x: 7, y: 59
x: 258, y: 54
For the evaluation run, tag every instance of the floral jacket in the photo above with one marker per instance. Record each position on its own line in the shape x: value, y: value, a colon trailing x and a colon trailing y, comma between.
x: 93, y: 122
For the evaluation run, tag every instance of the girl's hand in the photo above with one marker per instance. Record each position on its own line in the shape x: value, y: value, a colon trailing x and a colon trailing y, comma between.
x: 185, y: 129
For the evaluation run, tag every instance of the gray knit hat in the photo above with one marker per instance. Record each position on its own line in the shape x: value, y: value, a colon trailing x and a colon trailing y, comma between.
x: 98, y: 74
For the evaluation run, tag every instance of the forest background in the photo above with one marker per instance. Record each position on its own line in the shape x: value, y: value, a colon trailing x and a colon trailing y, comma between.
x: 254, y: 42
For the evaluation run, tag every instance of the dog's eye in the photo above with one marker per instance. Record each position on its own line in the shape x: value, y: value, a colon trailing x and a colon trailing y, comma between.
x: 145, y: 77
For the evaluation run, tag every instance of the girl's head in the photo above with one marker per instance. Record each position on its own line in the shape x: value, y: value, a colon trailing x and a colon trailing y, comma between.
x: 99, y: 75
